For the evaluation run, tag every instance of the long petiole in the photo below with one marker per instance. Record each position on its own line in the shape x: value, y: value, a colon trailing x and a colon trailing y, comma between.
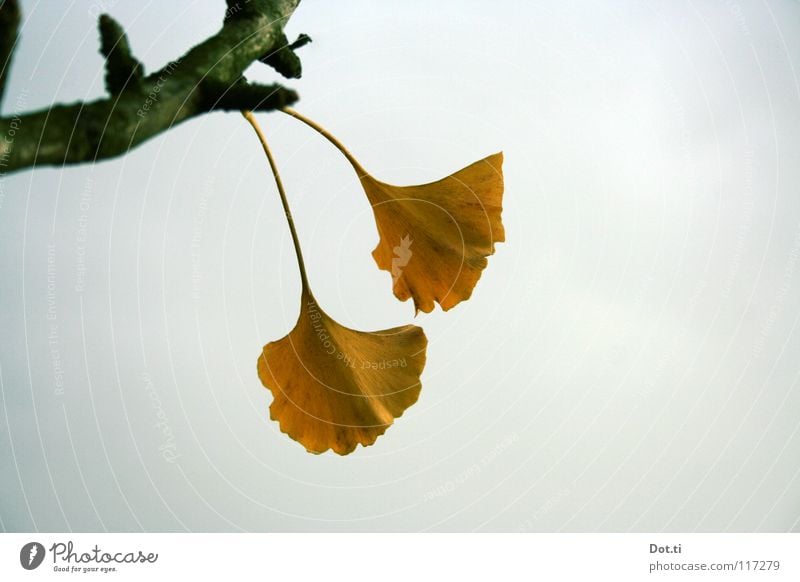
x: 248, y: 115
x: 327, y: 135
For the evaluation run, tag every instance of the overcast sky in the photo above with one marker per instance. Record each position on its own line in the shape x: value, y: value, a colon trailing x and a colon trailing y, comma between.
x: 628, y: 361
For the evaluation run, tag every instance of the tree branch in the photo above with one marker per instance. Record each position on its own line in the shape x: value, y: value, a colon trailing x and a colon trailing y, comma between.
x: 121, y: 66
x: 207, y: 78
x: 284, y: 59
x: 9, y: 29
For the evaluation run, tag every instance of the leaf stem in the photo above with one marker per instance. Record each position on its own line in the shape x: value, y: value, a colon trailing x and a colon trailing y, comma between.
x: 248, y: 115
x: 327, y: 135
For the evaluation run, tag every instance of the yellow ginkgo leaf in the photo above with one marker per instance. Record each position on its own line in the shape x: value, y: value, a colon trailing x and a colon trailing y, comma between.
x: 434, y: 238
x: 335, y: 387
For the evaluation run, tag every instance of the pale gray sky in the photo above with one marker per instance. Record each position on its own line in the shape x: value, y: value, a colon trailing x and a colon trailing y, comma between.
x: 628, y: 361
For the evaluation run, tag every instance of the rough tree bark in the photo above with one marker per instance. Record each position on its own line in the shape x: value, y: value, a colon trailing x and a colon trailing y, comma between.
x: 207, y: 78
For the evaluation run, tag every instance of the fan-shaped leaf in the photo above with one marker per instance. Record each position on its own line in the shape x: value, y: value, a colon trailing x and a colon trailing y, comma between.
x: 435, y: 238
x: 335, y: 387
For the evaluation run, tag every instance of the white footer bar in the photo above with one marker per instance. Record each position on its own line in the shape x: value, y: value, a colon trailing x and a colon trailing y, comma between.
x: 400, y: 557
